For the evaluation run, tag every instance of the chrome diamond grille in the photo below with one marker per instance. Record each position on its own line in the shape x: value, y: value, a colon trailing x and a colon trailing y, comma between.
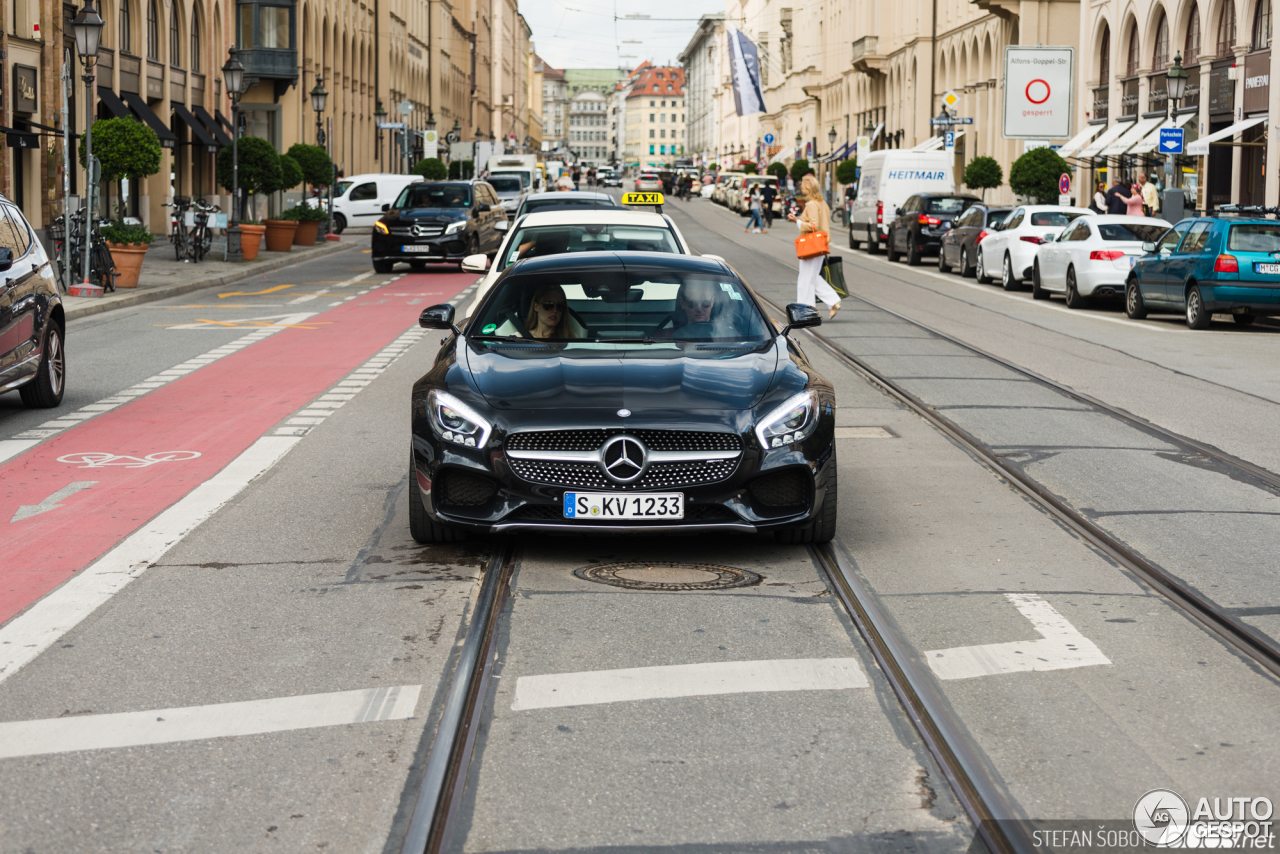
x: 573, y: 475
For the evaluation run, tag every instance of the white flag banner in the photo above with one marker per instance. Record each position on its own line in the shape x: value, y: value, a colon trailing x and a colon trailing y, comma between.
x: 745, y: 62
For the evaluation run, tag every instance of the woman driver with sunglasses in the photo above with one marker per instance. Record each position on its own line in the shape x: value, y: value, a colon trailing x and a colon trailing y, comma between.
x: 549, y: 315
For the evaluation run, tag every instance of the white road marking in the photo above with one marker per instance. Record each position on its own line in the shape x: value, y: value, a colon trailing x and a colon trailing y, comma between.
x: 863, y: 433
x: 40, y: 626
x: 10, y: 448
x: 221, y: 720
x: 1062, y: 647
x: 26, y: 511
x: 555, y: 690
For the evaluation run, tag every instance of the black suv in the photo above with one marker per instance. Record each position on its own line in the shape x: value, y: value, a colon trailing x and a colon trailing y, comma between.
x: 32, y: 323
x: 921, y: 222
x: 437, y: 222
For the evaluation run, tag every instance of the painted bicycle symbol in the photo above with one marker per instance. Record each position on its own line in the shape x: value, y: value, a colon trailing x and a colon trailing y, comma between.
x: 98, y: 459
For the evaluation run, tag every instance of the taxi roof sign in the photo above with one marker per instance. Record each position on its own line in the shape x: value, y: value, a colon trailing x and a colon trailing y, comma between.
x: 643, y: 199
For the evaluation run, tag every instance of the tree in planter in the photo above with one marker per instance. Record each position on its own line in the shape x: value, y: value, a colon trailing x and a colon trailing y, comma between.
x: 317, y: 168
x: 984, y: 173
x: 1035, y: 174
x: 431, y: 168
x: 799, y: 169
x: 847, y: 171
x: 777, y: 170
x: 259, y: 168
x: 127, y: 150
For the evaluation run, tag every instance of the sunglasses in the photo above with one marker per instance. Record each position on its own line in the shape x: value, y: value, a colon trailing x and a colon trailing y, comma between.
x: 706, y: 303
x: 552, y: 306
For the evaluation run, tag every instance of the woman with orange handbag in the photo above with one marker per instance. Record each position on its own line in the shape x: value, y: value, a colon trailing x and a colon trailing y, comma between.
x: 813, y: 246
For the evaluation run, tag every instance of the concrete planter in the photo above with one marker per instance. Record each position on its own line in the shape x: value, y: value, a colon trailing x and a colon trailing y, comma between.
x: 128, y: 260
x: 251, y: 240
x: 306, y: 234
x: 280, y: 234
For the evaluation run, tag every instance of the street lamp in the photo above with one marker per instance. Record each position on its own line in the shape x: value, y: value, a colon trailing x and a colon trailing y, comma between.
x: 88, y: 29
x: 831, y: 138
x: 799, y: 143
x: 319, y: 97
x: 1177, y: 83
x: 233, y: 77
x: 379, y: 117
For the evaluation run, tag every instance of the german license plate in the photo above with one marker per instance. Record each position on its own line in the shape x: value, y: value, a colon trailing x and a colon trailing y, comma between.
x: 426, y: 250
x: 603, y: 505
x: 1267, y: 269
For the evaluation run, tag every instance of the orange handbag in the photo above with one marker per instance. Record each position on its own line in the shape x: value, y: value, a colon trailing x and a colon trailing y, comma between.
x: 812, y: 244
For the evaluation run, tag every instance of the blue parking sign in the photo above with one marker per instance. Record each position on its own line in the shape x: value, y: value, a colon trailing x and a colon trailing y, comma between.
x: 950, y: 140
x: 1170, y: 140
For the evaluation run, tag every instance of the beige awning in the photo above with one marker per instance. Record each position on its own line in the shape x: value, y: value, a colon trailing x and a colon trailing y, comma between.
x: 1201, y: 146
x: 1131, y: 137
x: 1103, y: 141
x: 1079, y: 141
x: 933, y: 143
x: 1151, y: 141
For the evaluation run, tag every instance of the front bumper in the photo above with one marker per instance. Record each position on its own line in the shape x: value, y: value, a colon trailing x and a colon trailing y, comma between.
x: 445, y: 247
x: 480, y: 491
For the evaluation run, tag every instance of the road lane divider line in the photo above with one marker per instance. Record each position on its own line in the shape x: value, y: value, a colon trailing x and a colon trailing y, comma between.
x: 36, y: 629
x: 594, y: 687
x: 195, y: 723
x: 1061, y: 647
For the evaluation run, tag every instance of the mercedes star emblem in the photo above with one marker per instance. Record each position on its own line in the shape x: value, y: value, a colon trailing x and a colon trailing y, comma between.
x: 623, y: 413
x: 623, y: 459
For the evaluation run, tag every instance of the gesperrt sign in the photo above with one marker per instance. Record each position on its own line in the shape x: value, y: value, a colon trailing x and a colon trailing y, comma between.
x: 1039, y: 89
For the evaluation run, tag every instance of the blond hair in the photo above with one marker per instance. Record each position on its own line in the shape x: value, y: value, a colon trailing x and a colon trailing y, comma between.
x: 809, y: 188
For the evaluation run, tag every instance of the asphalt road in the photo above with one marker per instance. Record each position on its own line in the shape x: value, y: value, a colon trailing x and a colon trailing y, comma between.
x: 245, y: 650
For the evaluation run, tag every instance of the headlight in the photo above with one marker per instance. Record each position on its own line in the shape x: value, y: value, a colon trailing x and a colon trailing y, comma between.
x: 381, y: 227
x: 789, y: 423
x: 456, y: 422
x: 455, y: 227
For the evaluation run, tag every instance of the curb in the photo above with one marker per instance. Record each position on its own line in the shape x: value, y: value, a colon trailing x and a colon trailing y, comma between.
x: 151, y: 295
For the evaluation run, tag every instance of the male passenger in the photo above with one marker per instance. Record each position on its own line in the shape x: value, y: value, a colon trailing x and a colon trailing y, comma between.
x: 1117, y: 196
x: 1150, y: 196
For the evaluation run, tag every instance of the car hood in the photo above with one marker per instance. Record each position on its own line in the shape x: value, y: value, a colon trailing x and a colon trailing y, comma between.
x: 644, y: 380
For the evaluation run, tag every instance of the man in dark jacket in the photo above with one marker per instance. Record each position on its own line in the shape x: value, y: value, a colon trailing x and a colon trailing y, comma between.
x: 1116, y: 197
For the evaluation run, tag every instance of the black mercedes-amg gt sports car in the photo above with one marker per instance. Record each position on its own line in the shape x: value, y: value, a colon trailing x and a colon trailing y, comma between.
x: 622, y: 392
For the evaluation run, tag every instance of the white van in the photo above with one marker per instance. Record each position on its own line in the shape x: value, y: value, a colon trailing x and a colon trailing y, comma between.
x: 887, y: 179
x: 358, y: 200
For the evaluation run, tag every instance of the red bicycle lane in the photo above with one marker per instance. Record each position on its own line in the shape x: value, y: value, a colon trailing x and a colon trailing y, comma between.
x: 145, y: 455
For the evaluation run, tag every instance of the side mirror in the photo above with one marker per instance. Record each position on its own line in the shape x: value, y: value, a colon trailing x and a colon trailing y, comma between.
x: 501, y: 225
x: 483, y: 207
x: 6, y: 259
x: 473, y: 264
x: 438, y: 317
x: 800, y: 316
x: 386, y: 208
x: 1149, y: 247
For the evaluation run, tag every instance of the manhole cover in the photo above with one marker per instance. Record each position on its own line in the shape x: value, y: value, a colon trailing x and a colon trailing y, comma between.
x: 665, y: 575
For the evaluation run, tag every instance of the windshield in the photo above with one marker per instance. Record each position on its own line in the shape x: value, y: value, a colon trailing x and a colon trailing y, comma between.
x: 1255, y: 238
x: 434, y: 196
x: 611, y: 307
x: 1140, y: 232
x: 1054, y: 218
x: 523, y: 177
x: 340, y: 188
x: 948, y: 206
x: 506, y: 183
x: 535, y: 241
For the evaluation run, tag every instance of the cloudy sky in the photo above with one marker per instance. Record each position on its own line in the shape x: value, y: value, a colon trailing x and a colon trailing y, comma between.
x: 584, y: 34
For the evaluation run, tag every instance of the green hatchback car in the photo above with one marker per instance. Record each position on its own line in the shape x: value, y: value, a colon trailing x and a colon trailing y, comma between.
x: 1224, y: 264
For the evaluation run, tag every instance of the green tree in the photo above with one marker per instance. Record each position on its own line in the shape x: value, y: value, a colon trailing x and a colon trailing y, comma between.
x: 431, y: 168
x: 1036, y: 173
x: 983, y: 173
x: 462, y: 169
x: 259, y: 169
x: 777, y: 170
x: 799, y: 169
x: 317, y: 168
x: 847, y: 171
x: 290, y: 173
x: 748, y: 167
x: 126, y: 148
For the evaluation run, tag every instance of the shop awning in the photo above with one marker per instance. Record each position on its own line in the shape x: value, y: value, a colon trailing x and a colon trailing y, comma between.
x: 876, y: 133
x: 19, y: 138
x: 167, y: 137
x: 114, y: 104
x: 1103, y: 141
x: 934, y: 143
x: 199, y: 135
x: 211, y: 125
x: 48, y: 131
x: 1131, y: 137
x: 222, y: 120
x: 1201, y: 146
x: 1151, y: 141
x: 1079, y: 141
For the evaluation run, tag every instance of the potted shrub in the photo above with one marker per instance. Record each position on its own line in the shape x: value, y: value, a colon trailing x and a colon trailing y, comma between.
x: 126, y: 149
x: 260, y: 171
x: 251, y: 232
x: 128, y: 245
x: 308, y: 219
x: 1035, y: 175
x: 280, y: 230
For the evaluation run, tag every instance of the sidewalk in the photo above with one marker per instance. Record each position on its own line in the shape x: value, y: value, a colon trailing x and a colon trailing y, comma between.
x: 164, y: 276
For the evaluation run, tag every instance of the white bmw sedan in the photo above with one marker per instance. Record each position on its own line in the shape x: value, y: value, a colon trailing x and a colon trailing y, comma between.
x: 1010, y: 252
x: 1092, y: 257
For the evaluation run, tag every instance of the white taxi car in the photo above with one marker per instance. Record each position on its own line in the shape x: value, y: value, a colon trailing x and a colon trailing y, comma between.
x: 558, y: 232
x: 1012, y: 249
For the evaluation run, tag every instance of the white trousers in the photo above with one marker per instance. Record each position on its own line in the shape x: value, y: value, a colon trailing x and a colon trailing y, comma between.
x: 811, y: 283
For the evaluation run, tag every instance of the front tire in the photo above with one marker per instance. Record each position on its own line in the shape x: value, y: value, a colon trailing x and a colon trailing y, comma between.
x: 45, y: 391
x: 1037, y: 292
x: 423, y: 529
x: 1074, y: 300
x: 943, y: 266
x: 1197, y: 317
x: 1007, y: 281
x: 980, y: 272
x: 339, y: 223
x: 823, y: 529
x: 1134, y: 307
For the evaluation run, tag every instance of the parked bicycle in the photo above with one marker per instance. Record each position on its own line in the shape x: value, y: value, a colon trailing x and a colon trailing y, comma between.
x: 190, y: 242
x: 68, y: 249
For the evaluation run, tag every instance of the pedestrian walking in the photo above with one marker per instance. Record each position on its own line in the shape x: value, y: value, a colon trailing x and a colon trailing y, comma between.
x: 1150, y: 195
x: 816, y: 217
x: 1133, y: 205
x: 754, y: 224
x: 767, y: 195
x: 1117, y: 197
x: 1099, y: 203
